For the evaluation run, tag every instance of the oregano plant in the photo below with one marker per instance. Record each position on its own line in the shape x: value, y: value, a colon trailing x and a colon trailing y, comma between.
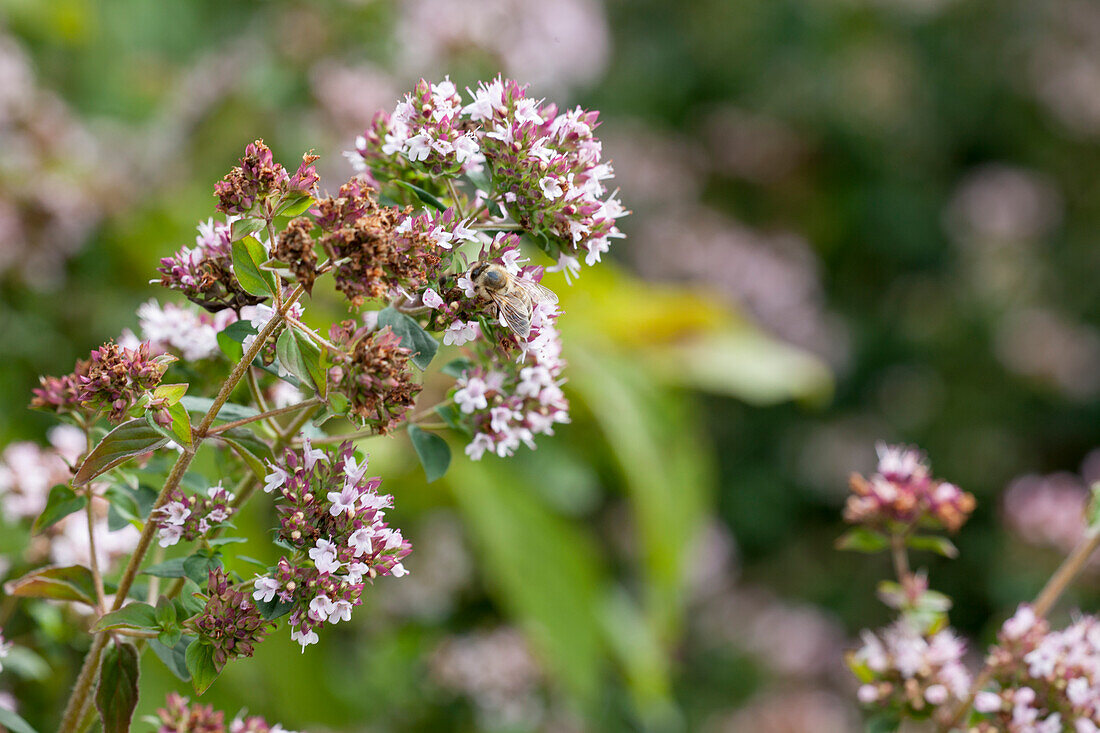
x: 237, y: 368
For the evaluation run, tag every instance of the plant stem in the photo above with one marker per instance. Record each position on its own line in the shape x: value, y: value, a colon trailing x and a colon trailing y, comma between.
x: 1048, y: 596
x: 901, y: 558
x: 454, y: 197
x: 79, y: 700
x: 264, y: 415
x: 254, y: 388
x: 97, y: 577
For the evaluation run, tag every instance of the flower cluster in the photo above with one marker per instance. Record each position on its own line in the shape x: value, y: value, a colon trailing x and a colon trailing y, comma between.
x: 508, y: 402
x: 333, y: 518
x: 547, y: 168
x: 259, y: 180
x: 295, y: 247
x: 179, y: 716
x: 113, y: 378
x: 204, y: 273
x: 1048, y: 680
x: 903, y: 667
x: 376, y: 255
x: 230, y: 621
x: 170, y: 329
x: 427, y: 127
x: 190, y: 517
x: 904, y: 492
x: 372, y: 371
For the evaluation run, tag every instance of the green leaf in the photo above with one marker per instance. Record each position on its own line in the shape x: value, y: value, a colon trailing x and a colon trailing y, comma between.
x: 116, y: 694
x: 69, y: 583
x: 168, y: 569
x: 130, y: 616
x: 886, y: 722
x: 314, y: 360
x: 200, y: 663
x: 413, y: 336
x: 170, y: 637
x: 14, y: 723
x: 174, y: 657
x: 542, y: 570
x: 274, y: 608
x: 197, y: 567
x: 248, y: 255
x: 171, y: 392
x: 861, y: 539
x: 61, y: 502
x: 933, y: 543
x: 219, y: 541
x: 190, y: 601
x: 123, y: 508
x: 230, y: 340
x: 433, y: 451
x: 229, y: 411
x: 245, y: 226
x: 456, y: 367
x: 453, y: 417
x: 181, y: 425
x: 421, y: 194
x: 249, y: 447
x: 165, y: 612
x: 131, y: 438
x: 293, y: 204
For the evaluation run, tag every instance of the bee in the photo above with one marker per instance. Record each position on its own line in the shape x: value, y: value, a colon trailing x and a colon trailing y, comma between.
x: 515, y: 298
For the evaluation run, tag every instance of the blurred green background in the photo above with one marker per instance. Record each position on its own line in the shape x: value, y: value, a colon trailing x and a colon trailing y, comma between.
x: 853, y: 220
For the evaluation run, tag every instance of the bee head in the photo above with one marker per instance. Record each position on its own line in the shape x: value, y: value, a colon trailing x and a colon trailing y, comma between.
x: 493, y: 279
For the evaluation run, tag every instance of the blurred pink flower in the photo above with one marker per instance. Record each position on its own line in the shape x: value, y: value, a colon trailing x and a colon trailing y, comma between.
x: 1047, y: 510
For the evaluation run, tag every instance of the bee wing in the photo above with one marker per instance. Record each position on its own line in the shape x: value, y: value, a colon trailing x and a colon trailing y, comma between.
x: 515, y: 312
x: 538, y: 293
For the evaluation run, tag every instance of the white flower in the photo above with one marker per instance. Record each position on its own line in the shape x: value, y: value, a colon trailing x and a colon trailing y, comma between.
x: 312, y: 455
x: 467, y: 286
x: 458, y: 333
x: 398, y: 570
x: 341, y: 611
x: 310, y: 637
x: 1020, y: 623
x: 596, y: 247
x: 568, y: 264
x: 431, y: 299
x: 174, y: 512
x: 500, y: 417
x: 170, y: 535
x: 274, y: 480
x: 418, y: 147
x: 466, y: 147
x: 551, y: 187
x: 472, y: 396
x: 356, y: 571
x: 353, y: 471
x: 265, y: 589
x: 510, y: 259
x: 324, y: 556
x: 320, y: 608
x: 343, y: 501
x: 477, y: 447
x: 360, y: 540
x: 987, y: 702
